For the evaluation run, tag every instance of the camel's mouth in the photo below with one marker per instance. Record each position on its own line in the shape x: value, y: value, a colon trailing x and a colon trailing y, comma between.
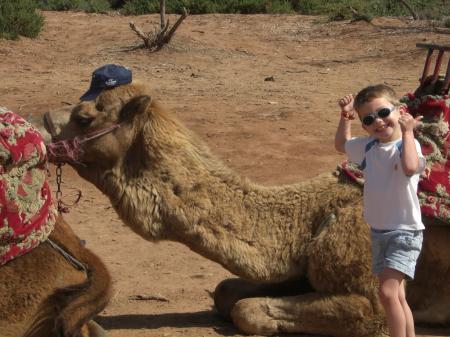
x: 49, y: 126
x: 52, y: 123
x: 62, y: 151
x: 43, y: 130
x: 65, y: 151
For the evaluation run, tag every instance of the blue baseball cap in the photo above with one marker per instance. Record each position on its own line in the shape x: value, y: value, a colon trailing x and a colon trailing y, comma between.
x: 106, y: 77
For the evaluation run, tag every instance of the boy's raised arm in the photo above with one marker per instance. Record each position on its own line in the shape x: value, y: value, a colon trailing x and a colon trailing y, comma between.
x: 410, y: 157
x: 343, y: 132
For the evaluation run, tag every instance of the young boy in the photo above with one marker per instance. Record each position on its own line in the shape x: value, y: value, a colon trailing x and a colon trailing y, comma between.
x: 392, y: 160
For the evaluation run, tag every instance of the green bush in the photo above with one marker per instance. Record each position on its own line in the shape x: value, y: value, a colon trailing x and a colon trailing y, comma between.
x: 139, y: 7
x: 431, y: 9
x: 447, y: 23
x: 116, y: 3
x: 96, y: 6
x: 196, y: 7
x: 257, y: 6
x: 334, y: 9
x: 280, y: 7
x: 91, y: 6
x: 245, y: 6
x: 19, y: 17
x: 426, y: 9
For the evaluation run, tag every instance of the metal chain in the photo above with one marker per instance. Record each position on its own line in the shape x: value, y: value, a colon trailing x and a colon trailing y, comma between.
x: 61, y: 207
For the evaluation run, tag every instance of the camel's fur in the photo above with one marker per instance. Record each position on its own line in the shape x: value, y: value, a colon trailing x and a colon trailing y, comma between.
x: 166, y: 185
x: 43, y: 295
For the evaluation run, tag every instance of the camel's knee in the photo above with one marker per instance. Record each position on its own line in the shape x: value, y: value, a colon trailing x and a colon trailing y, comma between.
x: 230, y: 291
x: 223, y: 298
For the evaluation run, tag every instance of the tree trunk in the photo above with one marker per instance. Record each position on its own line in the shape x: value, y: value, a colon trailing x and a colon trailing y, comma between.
x: 162, y: 13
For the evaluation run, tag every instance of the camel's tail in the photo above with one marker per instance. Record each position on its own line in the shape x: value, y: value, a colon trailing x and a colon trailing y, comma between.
x: 68, y: 309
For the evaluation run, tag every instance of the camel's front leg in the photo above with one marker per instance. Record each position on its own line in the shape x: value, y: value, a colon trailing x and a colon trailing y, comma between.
x: 312, y: 313
x: 230, y: 291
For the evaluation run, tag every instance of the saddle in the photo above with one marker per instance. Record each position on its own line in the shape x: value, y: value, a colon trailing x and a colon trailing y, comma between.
x: 27, y: 211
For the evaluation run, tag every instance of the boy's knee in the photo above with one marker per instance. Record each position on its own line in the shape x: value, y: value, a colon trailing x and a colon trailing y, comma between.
x: 388, y: 295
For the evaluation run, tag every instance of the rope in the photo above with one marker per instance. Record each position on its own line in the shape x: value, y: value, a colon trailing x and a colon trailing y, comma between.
x: 73, y: 261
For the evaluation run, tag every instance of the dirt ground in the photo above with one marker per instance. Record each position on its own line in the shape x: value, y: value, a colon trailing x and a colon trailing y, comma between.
x: 215, y: 77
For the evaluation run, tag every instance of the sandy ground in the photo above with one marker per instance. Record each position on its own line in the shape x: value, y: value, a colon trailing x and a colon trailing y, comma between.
x: 214, y: 77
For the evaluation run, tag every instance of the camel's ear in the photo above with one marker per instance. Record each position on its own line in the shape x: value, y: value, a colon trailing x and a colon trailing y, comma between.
x: 134, y: 107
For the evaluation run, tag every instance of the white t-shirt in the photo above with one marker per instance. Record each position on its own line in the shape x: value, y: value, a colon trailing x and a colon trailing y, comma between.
x: 390, y: 196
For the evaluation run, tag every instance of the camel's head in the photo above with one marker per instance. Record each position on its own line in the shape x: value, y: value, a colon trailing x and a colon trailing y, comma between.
x: 96, y: 133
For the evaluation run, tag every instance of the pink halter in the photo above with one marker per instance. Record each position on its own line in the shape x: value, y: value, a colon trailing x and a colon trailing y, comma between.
x: 70, y: 150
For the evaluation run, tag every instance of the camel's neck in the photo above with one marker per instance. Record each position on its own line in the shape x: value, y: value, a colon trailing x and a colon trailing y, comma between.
x: 255, y: 232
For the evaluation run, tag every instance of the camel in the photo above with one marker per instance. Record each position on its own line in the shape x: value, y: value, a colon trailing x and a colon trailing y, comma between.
x: 43, y: 295
x: 301, y: 252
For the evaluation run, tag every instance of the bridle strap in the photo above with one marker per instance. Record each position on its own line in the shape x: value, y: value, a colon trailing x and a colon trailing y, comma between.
x: 96, y: 134
x: 79, y: 139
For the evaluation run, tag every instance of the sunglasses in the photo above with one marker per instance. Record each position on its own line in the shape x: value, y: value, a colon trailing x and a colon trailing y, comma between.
x: 382, y: 113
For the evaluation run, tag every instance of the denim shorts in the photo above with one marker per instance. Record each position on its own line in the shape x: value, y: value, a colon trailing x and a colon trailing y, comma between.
x: 396, y: 249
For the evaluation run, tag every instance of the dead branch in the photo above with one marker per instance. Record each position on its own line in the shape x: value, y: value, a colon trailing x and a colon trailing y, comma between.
x: 359, y: 17
x: 158, y: 298
x: 164, y: 37
x: 140, y: 33
x: 411, y: 10
x: 159, y: 38
x: 176, y: 25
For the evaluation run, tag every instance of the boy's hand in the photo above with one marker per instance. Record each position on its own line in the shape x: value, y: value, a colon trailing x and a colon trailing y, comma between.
x: 346, y: 105
x: 406, y: 121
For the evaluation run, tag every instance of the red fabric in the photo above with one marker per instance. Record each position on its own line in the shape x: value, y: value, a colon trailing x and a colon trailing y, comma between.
x: 27, y: 213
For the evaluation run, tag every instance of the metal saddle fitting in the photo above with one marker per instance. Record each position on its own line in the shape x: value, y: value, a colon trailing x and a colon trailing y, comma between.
x: 427, y: 80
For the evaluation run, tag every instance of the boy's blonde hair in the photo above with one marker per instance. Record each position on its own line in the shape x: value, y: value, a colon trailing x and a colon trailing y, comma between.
x: 372, y: 92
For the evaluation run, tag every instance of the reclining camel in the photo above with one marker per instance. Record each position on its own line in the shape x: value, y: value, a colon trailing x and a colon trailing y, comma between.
x: 301, y: 251
x: 50, y: 285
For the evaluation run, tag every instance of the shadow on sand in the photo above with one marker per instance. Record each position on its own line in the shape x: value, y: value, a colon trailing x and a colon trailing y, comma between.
x: 206, y: 319
x: 174, y: 320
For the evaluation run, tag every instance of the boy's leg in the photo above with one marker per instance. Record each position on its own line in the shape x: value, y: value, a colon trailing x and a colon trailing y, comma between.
x: 410, y: 331
x: 389, y: 293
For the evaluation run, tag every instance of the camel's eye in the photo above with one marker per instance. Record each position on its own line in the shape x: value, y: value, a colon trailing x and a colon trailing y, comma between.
x: 99, y: 106
x: 83, y: 121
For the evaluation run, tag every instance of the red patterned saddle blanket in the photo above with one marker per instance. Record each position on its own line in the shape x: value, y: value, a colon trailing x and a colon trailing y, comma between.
x: 27, y: 212
x: 434, y: 137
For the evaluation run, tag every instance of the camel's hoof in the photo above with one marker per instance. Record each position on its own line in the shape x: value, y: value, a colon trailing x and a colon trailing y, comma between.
x: 250, y: 316
x: 96, y: 330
